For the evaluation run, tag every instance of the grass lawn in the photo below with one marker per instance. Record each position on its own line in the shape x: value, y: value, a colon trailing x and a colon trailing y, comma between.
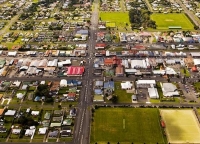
x: 163, y: 21
x: 123, y: 97
x: 182, y: 126
x: 125, y: 125
x: 67, y: 139
x: 187, y: 73
x: 197, y: 86
x: 119, y: 18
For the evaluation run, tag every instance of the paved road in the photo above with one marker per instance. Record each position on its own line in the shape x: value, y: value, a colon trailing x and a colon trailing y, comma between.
x: 190, y: 14
x: 82, y: 127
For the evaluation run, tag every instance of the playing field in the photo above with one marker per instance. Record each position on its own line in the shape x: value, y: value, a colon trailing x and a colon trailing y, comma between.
x: 181, y: 126
x: 126, y: 125
x: 119, y: 18
x: 163, y: 21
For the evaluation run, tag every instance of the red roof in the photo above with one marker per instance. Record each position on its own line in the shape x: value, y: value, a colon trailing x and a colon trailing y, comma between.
x: 71, y: 94
x: 194, y: 69
x: 100, y: 45
x: 75, y: 70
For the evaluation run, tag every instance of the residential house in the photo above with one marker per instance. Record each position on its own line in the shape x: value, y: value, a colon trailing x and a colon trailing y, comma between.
x: 42, y: 131
x: 119, y: 71
x: 16, y: 131
x: 100, y: 46
x: 53, y: 133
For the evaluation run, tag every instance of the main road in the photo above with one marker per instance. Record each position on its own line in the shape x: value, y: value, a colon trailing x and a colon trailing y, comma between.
x: 82, y: 127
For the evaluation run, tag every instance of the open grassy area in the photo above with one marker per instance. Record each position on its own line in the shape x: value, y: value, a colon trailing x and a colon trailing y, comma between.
x: 120, y: 19
x: 185, y: 72
x: 126, y: 125
x: 181, y: 126
x: 123, y: 96
x: 163, y: 21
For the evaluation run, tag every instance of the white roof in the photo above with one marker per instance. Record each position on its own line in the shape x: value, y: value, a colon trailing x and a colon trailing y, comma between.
x: 35, y: 113
x: 20, y: 95
x: 196, y: 61
x: 24, y: 67
x: 12, y: 53
x: 197, y: 54
x: 66, y: 62
x: 10, y: 113
x: 63, y: 82
x: 17, y: 83
x: 53, y: 63
x: 153, y: 92
x: 170, y: 71
x: 42, y: 130
x: 138, y: 64
x: 126, y: 85
x: 16, y: 131
x: 29, y: 132
x: 146, y: 82
x: 169, y: 89
x: 131, y: 70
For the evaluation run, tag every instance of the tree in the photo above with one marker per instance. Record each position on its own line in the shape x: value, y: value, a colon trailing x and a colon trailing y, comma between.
x: 114, y: 99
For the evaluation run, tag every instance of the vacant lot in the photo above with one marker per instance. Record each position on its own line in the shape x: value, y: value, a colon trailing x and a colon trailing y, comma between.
x: 120, y: 19
x: 163, y: 21
x: 125, y: 125
x: 181, y: 126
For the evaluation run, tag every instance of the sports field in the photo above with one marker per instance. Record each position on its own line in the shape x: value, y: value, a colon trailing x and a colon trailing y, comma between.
x: 163, y: 21
x: 119, y: 18
x: 126, y: 125
x: 181, y: 126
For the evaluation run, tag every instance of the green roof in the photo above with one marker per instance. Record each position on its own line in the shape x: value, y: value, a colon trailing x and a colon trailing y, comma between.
x: 67, y: 122
x: 2, y: 63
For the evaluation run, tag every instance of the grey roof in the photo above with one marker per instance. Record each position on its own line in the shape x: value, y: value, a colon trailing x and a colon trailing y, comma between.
x: 53, y: 133
x: 99, y: 83
x: 109, y: 84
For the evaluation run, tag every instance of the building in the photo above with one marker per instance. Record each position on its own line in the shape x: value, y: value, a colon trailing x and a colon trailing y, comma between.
x: 63, y: 83
x: 75, y: 71
x: 127, y: 85
x: 169, y: 89
x: 153, y: 93
x: 99, y: 46
x: 145, y: 83
x: 42, y: 131
x: 119, y: 71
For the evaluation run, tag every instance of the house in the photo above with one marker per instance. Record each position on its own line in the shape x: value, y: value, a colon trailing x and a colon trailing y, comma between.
x: 57, y: 119
x: 55, y: 124
x: 10, y: 113
x: 100, y: 46
x: 127, y: 85
x: 58, y: 112
x: 16, y: 131
x: 109, y: 85
x: 145, y: 83
x: 98, y: 91
x: 67, y: 121
x: 169, y: 89
x: 30, y: 132
x: 119, y: 71
x: 35, y: 113
x: 53, y: 133
x: 3, y: 129
x: 47, y: 115
x: 42, y: 131
x: 66, y: 131
x: 99, y: 84
x: 63, y: 83
x: 20, y: 95
x: 73, y: 112
x: 1, y: 112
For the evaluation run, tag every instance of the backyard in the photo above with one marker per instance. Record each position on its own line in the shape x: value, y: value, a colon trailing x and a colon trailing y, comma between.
x: 163, y: 21
x: 123, y: 96
x: 125, y: 125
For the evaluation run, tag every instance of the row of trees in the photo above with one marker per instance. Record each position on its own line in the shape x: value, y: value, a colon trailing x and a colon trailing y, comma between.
x: 141, y: 18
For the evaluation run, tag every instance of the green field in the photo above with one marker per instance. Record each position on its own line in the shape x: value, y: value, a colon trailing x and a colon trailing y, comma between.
x: 181, y: 126
x: 163, y: 21
x: 126, y: 125
x: 119, y: 18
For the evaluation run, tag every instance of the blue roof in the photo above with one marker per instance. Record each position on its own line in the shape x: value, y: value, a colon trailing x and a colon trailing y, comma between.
x: 109, y: 84
x: 37, y: 98
x: 74, y: 82
x: 98, y: 91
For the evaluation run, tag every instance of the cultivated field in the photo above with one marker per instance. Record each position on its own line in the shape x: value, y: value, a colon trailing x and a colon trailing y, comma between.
x: 163, y: 21
x: 181, y: 126
x: 126, y: 125
x: 119, y: 18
